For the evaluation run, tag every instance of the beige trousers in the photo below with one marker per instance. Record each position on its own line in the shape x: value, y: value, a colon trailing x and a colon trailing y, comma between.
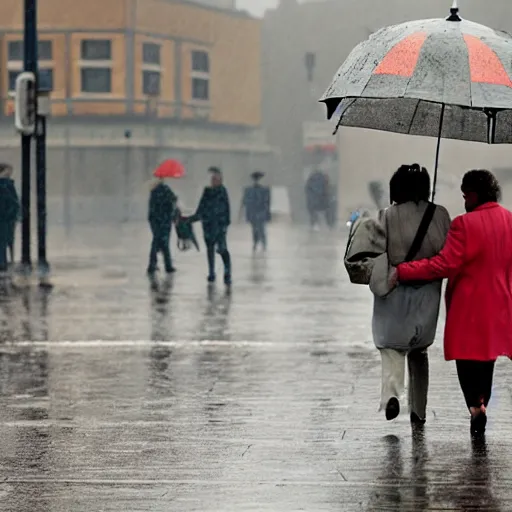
x: 393, y: 378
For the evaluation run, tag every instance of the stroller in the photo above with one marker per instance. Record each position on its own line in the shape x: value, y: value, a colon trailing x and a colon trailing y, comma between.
x: 185, y: 233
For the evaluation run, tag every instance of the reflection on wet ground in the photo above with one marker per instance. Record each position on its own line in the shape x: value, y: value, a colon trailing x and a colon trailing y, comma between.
x: 119, y: 394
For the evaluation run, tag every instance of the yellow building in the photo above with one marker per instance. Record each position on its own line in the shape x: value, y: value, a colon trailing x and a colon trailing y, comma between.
x: 134, y: 82
x: 166, y: 58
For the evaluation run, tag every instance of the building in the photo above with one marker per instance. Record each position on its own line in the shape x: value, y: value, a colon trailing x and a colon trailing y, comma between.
x: 134, y: 82
x: 314, y: 38
x: 221, y: 4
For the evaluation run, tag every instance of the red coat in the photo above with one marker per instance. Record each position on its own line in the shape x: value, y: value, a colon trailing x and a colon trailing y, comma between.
x: 477, y: 260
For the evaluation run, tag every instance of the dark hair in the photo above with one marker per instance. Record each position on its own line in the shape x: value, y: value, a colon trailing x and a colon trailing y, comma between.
x: 484, y: 184
x: 5, y: 167
x: 409, y: 183
x: 214, y: 170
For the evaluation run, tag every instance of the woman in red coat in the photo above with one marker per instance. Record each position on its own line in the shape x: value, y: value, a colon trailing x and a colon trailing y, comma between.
x: 477, y: 260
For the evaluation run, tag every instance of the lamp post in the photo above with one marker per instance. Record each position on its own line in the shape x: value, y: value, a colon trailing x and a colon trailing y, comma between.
x: 43, y: 111
x: 127, y: 175
x: 30, y: 66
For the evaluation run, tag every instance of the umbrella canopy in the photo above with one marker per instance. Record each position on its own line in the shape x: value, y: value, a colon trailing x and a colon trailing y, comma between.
x: 170, y: 169
x: 447, y: 78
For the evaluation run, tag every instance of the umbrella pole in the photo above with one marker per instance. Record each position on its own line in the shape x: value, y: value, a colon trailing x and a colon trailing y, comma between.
x: 441, y: 120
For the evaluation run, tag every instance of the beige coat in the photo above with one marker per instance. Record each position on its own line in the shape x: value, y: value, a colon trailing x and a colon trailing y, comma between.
x: 406, y: 318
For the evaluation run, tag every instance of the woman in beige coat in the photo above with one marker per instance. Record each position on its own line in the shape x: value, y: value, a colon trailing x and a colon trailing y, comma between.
x: 404, y: 321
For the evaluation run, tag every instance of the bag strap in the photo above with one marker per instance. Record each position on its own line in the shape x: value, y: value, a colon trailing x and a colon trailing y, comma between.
x: 422, y: 232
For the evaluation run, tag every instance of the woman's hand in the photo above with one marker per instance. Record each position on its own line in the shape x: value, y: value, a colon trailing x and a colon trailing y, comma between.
x: 393, y: 278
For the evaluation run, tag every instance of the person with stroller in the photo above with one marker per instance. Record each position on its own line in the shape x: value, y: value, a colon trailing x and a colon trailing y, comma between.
x: 215, y: 215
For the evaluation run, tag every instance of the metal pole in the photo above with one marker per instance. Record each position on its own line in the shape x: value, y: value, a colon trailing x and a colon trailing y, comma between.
x: 67, y: 184
x: 41, y: 195
x: 30, y: 65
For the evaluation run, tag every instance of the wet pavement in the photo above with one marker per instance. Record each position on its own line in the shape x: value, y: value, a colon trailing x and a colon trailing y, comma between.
x: 119, y: 396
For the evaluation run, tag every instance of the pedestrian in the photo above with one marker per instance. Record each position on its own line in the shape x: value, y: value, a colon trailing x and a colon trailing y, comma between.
x: 162, y: 202
x: 9, y: 214
x: 215, y: 215
x: 477, y: 261
x: 317, y: 197
x: 256, y: 202
x: 405, y: 320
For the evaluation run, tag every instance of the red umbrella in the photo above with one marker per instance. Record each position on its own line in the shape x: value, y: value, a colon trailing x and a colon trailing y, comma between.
x: 170, y: 169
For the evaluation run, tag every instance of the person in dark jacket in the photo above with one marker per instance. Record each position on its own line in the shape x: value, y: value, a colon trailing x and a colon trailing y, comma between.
x: 256, y: 202
x: 162, y: 202
x: 9, y: 213
x: 215, y: 215
x: 318, y: 197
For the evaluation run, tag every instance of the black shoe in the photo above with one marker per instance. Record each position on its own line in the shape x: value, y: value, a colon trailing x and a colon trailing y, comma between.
x: 171, y: 270
x: 478, y: 424
x: 212, y: 278
x: 227, y: 279
x: 151, y: 272
x: 416, y: 420
x: 392, y: 408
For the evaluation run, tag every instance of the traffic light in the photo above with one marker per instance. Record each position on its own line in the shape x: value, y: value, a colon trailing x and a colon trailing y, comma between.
x: 25, y: 103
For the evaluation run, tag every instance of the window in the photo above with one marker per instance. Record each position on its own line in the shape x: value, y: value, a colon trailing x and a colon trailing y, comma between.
x: 45, y: 79
x: 200, y: 89
x: 151, y: 53
x: 96, y: 49
x: 200, y: 75
x: 200, y: 62
x: 96, y: 80
x: 45, y: 50
x: 151, y: 83
x: 15, y: 50
x: 12, y: 79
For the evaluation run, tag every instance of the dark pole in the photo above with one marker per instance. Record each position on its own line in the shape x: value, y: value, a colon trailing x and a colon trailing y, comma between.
x: 41, y: 194
x: 30, y: 65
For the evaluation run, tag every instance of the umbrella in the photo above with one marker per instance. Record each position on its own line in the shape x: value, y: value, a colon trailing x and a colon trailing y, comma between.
x: 170, y: 169
x: 445, y: 78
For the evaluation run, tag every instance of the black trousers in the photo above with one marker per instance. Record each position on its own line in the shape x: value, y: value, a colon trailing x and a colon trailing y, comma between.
x: 475, y: 378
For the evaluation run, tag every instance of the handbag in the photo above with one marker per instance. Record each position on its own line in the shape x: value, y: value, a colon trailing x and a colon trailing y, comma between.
x: 362, y: 250
x: 360, y: 266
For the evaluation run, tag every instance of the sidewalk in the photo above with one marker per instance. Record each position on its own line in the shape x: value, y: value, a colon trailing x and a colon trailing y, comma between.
x: 184, y: 399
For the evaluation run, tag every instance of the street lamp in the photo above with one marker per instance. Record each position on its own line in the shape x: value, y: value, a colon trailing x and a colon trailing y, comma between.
x: 43, y: 111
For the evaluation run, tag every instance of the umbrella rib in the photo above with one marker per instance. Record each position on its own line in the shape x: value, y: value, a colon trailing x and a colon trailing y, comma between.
x: 413, y: 116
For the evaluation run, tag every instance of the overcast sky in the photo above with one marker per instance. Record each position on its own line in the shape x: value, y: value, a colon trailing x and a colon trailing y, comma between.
x: 256, y: 7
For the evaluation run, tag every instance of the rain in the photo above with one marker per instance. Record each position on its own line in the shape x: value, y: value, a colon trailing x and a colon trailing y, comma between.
x: 197, y: 268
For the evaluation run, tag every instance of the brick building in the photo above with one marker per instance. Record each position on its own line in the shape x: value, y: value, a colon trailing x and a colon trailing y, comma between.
x: 134, y: 82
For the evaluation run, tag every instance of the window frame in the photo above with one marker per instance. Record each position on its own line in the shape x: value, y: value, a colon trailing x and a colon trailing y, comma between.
x: 200, y: 75
x: 85, y: 69
x: 18, y: 71
x: 146, y: 45
x: 88, y: 59
x: 153, y: 72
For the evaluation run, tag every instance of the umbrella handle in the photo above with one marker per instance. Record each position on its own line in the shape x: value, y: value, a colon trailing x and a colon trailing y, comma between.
x: 438, y: 149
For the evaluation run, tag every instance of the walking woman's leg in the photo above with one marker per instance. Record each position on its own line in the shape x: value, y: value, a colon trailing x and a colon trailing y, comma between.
x: 210, y: 254
x: 255, y: 236
x: 475, y: 379
x: 393, y: 375
x: 468, y: 380
x: 165, y: 241
x: 3, y: 248
x: 263, y: 235
x: 487, y: 375
x: 155, y: 246
x: 418, y: 384
x: 222, y: 245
